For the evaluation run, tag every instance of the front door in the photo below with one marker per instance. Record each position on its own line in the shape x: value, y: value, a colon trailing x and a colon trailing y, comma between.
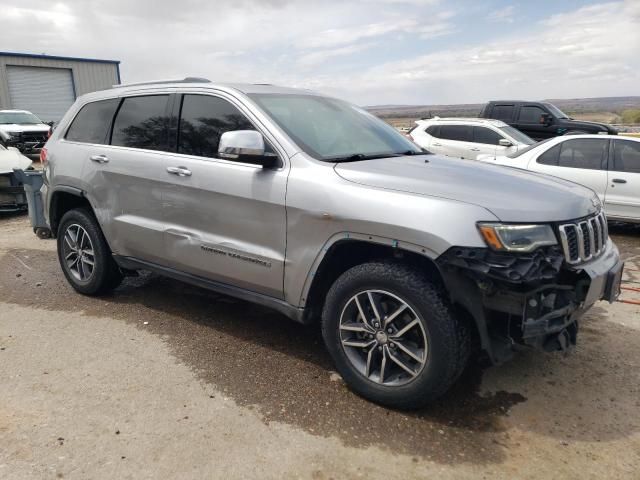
x: 529, y: 122
x: 226, y: 221
x: 623, y: 192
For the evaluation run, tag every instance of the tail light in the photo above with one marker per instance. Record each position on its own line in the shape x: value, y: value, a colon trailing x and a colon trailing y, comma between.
x: 43, y: 156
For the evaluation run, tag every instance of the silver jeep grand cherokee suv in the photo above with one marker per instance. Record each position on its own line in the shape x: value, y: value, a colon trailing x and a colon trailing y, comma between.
x: 313, y: 207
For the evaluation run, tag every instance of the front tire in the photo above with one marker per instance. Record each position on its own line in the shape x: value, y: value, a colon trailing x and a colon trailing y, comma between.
x: 84, y: 256
x: 392, y: 335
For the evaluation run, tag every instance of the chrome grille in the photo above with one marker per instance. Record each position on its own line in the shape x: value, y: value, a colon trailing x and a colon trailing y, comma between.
x: 584, y: 239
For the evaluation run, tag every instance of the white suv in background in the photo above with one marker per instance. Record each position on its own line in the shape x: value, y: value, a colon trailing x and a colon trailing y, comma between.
x: 468, y: 137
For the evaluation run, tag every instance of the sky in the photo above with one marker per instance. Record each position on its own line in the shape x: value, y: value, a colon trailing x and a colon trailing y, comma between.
x: 376, y: 52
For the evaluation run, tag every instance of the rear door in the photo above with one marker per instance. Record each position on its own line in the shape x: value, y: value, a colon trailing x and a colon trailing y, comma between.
x: 126, y: 178
x: 623, y: 192
x: 226, y: 220
x: 503, y: 111
x: 580, y: 160
x: 457, y: 141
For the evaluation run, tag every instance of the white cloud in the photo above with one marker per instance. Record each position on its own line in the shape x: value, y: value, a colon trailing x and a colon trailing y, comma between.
x: 589, y: 52
x: 347, y: 48
x: 503, y: 15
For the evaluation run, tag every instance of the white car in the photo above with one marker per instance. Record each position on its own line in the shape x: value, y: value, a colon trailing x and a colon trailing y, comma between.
x: 608, y: 164
x: 12, y: 197
x: 468, y: 137
x: 23, y: 130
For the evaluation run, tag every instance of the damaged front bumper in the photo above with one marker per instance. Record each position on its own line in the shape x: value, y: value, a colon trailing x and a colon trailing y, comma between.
x: 528, y: 300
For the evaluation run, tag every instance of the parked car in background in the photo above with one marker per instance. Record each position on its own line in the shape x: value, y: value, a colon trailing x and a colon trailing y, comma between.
x: 541, y: 120
x: 23, y: 130
x: 468, y: 137
x: 314, y: 207
x: 610, y: 166
x: 12, y: 196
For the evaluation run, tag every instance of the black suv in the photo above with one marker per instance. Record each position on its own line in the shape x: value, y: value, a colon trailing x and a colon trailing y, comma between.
x: 540, y: 120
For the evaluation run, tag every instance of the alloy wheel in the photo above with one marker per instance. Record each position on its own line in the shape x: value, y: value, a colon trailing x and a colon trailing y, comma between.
x: 78, y: 252
x: 383, y: 337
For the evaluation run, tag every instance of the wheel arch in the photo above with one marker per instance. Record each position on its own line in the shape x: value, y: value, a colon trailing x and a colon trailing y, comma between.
x: 347, y: 250
x: 62, y: 200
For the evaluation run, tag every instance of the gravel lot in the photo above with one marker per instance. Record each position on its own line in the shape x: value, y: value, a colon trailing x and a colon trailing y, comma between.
x: 164, y: 380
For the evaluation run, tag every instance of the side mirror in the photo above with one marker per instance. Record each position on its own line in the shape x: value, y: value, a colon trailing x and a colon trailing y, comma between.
x: 546, y: 119
x: 503, y: 142
x: 246, y: 146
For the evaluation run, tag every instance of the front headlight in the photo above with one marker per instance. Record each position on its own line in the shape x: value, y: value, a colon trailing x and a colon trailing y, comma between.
x: 516, y: 238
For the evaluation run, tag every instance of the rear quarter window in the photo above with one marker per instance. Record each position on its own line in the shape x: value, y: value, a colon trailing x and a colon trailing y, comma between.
x: 434, y: 131
x: 92, y: 123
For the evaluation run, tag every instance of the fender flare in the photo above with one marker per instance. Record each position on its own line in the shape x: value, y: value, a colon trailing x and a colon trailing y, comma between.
x: 364, y: 237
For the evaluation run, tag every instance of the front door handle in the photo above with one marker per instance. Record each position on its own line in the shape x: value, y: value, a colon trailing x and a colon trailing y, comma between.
x: 619, y: 180
x: 437, y: 145
x: 180, y: 171
x: 475, y: 149
x: 99, y: 158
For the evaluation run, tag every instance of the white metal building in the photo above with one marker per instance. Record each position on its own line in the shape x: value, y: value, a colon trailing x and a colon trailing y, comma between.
x: 47, y: 85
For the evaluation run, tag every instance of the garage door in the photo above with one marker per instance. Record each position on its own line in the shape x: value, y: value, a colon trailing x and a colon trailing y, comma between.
x: 47, y: 92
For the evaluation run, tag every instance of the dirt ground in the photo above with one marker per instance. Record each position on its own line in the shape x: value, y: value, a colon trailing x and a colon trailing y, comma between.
x: 165, y: 380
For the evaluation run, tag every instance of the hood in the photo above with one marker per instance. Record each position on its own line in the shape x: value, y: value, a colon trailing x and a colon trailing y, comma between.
x: 576, y: 124
x: 10, y: 159
x: 511, y: 194
x: 15, y: 127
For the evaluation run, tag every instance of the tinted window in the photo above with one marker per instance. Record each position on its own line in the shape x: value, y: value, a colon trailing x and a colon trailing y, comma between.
x: 142, y: 122
x: 589, y: 153
x: 461, y: 133
x: 626, y: 157
x: 550, y: 157
x: 434, y: 131
x: 92, y: 123
x: 530, y: 114
x: 486, y: 135
x: 203, y: 120
x: 502, y: 112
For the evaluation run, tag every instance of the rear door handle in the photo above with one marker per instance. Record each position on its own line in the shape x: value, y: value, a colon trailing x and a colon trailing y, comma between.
x: 99, y: 158
x: 180, y: 171
x: 619, y: 180
x: 437, y: 144
x: 475, y: 149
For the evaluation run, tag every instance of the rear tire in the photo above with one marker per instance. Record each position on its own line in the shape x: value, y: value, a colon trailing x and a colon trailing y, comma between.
x: 434, y: 350
x: 84, y: 256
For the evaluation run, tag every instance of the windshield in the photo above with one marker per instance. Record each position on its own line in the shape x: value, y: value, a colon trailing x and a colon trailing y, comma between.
x: 22, y: 118
x: 555, y: 111
x: 332, y: 130
x: 517, y: 135
x: 530, y: 147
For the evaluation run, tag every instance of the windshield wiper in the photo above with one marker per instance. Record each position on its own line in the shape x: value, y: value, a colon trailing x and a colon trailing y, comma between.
x: 356, y: 157
x: 360, y: 156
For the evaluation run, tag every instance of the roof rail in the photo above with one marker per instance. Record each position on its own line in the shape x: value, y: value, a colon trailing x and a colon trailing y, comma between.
x: 155, y: 82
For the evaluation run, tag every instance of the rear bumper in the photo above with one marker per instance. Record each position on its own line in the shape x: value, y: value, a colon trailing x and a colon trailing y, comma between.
x: 528, y: 300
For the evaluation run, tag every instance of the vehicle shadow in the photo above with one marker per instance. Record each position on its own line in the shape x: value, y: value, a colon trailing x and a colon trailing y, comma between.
x: 279, y: 368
